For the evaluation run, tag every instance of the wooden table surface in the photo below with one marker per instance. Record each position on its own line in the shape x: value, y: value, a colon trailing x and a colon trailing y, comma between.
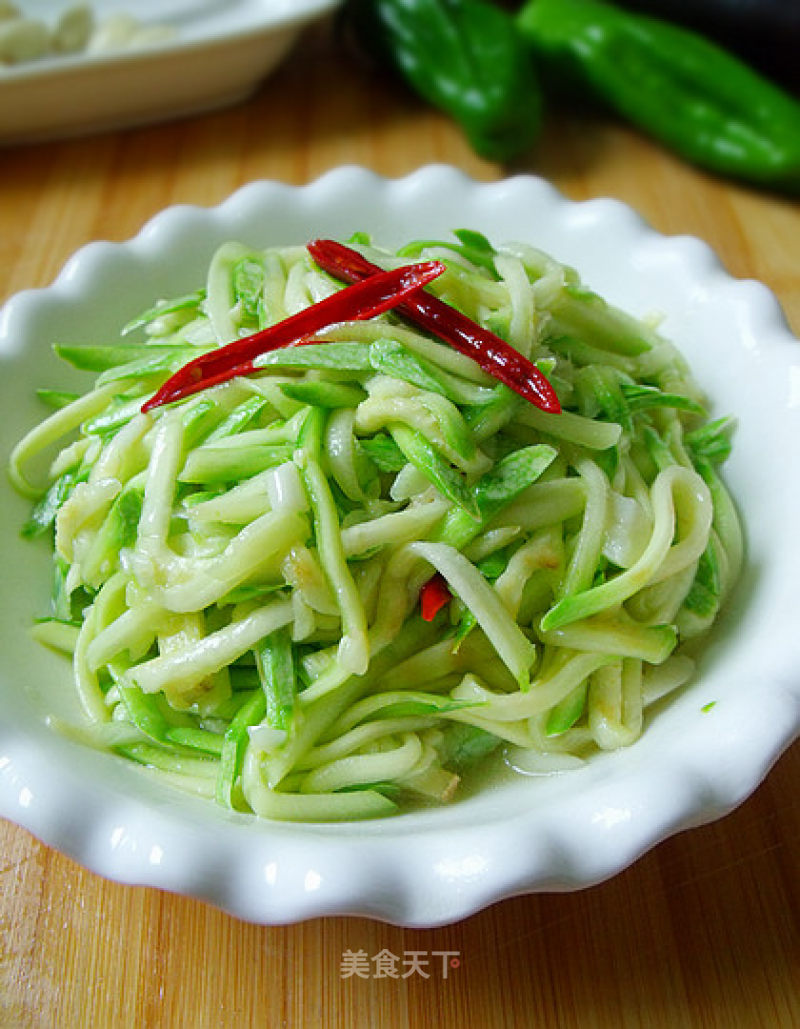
x: 703, y: 931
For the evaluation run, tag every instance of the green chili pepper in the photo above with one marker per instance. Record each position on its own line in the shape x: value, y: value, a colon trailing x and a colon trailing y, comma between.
x: 675, y: 84
x: 465, y: 57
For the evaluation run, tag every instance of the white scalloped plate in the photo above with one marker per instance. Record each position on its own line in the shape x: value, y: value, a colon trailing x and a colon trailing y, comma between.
x: 547, y: 833
x: 221, y: 50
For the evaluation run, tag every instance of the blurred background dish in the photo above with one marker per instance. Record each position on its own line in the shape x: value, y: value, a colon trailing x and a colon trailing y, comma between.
x: 186, y: 56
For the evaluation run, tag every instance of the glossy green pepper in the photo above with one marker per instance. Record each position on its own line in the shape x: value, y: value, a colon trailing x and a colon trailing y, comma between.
x: 674, y: 84
x: 465, y: 57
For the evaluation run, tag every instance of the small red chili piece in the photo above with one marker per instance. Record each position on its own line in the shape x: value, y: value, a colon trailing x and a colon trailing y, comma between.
x: 489, y: 351
x: 362, y: 300
x: 434, y: 595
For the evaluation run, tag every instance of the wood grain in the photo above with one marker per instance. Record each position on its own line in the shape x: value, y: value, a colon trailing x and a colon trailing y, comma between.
x: 703, y: 931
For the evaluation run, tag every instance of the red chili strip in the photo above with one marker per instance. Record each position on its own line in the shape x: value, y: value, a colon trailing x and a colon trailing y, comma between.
x: 433, y: 596
x: 492, y: 353
x: 365, y: 299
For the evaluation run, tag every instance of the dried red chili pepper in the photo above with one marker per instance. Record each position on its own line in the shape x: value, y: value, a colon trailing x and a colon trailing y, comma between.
x: 433, y: 596
x: 362, y: 300
x: 489, y: 351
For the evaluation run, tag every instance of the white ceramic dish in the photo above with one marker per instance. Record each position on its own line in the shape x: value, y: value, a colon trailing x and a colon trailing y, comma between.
x: 694, y: 762
x: 220, y: 52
